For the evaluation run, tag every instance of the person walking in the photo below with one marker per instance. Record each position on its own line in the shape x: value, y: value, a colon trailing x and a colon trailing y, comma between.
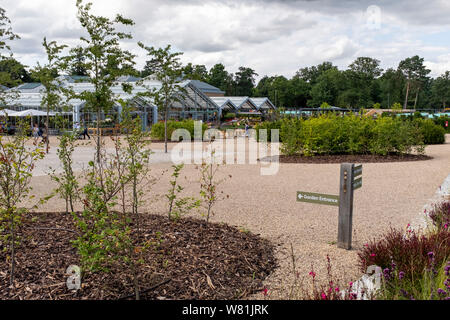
x: 76, y: 129
x: 85, y: 132
x: 246, y: 129
x: 35, y: 133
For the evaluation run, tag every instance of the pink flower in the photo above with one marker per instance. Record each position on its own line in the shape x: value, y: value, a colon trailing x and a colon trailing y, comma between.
x: 324, y: 296
x: 372, y: 255
x: 337, y: 289
x: 312, y: 274
x: 265, y: 291
x: 350, y: 284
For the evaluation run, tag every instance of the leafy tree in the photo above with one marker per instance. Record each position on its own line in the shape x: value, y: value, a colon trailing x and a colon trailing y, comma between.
x: 77, y: 66
x: 209, y: 184
x: 68, y: 185
x: 167, y: 69
x: 195, y: 72
x: 391, y: 85
x: 361, y: 76
x: 6, y: 36
x: 6, y: 33
x: 326, y: 88
x: 299, y: 92
x: 244, y: 81
x: 415, y: 73
x: 178, y: 206
x: 367, y: 68
x: 311, y: 74
x: 105, y: 61
x: 13, y: 73
x: 220, y: 78
x: 53, y: 98
x: 441, y: 89
x: 16, y: 166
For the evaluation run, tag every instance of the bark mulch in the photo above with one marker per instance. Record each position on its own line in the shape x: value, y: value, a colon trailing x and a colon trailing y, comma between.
x: 192, y: 261
x: 352, y: 158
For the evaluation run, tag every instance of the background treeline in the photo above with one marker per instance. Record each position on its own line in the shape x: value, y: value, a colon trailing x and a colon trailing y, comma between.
x: 364, y: 84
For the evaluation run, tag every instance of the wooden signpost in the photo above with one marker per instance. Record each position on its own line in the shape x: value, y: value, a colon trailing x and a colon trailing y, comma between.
x: 349, y: 182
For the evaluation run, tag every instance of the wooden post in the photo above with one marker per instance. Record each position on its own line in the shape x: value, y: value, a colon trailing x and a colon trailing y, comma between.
x: 345, y: 206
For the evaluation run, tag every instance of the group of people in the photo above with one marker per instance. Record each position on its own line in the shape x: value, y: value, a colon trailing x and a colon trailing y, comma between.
x: 37, y: 132
x: 79, y: 132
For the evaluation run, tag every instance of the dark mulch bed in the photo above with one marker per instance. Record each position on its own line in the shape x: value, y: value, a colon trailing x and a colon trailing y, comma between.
x: 353, y: 158
x: 194, y: 261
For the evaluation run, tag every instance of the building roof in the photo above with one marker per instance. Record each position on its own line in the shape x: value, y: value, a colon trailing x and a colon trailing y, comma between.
x: 205, y: 87
x: 29, y: 86
x: 263, y: 103
x: 223, y: 103
x: 242, y: 103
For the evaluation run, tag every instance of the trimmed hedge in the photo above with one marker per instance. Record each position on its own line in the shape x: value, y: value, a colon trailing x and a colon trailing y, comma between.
x: 157, y: 131
x: 351, y: 134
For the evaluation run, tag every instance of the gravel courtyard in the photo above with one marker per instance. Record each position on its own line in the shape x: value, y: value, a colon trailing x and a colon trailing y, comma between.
x: 392, y: 195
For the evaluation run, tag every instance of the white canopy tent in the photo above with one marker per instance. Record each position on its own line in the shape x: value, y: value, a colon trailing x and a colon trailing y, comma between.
x: 30, y: 113
x: 6, y: 112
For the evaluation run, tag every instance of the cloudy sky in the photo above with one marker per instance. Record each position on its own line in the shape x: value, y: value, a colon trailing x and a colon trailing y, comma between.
x: 272, y: 37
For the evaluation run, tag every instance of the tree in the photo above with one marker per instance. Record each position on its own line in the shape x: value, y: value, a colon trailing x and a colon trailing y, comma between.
x: 195, y: 72
x: 441, y: 89
x: 311, y: 74
x: 46, y: 74
x: 326, y: 88
x: 415, y: 73
x: 391, y: 85
x: 367, y: 68
x: 244, y: 81
x: 17, y: 162
x: 105, y: 61
x: 77, y: 66
x: 6, y: 36
x: 13, y: 73
x: 220, y: 78
x: 361, y: 90
x: 168, y: 70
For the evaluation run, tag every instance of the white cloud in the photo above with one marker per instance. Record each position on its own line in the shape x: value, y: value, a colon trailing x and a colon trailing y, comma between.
x: 272, y: 37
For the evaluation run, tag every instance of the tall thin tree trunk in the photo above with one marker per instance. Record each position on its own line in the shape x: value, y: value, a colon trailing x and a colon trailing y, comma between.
x: 166, y: 111
x: 415, y: 101
x: 98, y: 136
x: 13, y: 252
x: 406, y: 96
x: 47, y: 139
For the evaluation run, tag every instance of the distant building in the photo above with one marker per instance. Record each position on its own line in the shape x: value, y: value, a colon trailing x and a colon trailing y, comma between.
x: 198, y: 100
x: 207, y: 89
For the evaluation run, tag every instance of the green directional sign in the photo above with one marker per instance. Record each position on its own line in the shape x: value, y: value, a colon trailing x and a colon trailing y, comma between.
x: 357, y: 171
x: 319, y: 198
x: 357, y: 183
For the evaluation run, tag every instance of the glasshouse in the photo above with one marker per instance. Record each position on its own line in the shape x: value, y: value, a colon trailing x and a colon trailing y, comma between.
x: 197, y: 100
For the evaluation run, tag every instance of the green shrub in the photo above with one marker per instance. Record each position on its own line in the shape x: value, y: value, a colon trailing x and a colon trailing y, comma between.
x: 393, y: 135
x: 350, y: 134
x: 440, y: 121
x: 268, y: 125
x: 432, y: 133
x: 157, y: 131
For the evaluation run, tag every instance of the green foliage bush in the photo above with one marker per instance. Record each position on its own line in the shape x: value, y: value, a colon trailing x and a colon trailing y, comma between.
x: 440, y: 121
x: 157, y: 131
x: 432, y: 133
x: 351, y: 134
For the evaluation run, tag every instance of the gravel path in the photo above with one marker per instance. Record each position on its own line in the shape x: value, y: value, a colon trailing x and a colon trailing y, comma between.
x: 393, y: 195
